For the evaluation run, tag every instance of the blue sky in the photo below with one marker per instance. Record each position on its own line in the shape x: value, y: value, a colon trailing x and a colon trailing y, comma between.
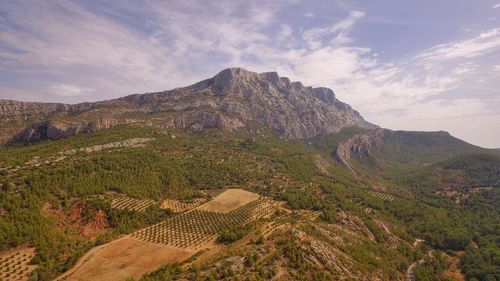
x: 410, y: 65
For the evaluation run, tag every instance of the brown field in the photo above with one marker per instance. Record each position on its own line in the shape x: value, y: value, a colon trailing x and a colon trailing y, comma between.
x: 124, y: 258
x: 15, y: 264
x: 172, y: 240
x: 229, y: 200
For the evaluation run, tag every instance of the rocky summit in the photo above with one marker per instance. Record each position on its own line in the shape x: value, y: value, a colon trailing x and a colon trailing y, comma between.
x: 232, y: 99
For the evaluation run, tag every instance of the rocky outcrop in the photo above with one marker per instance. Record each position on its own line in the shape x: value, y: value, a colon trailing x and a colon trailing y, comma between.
x: 360, y: 144
x: 232, y: 99
x: 384, y: 147
x: 18, y: 108
x: 197, y: 121
x: 13, y: 108
x: 135, y: 142
x: 275, y: 102
x: 53, y: 129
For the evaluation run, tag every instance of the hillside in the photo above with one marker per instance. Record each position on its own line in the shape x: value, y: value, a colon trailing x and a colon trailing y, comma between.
x: 178, y: 165
x: 458, y: 176
x: 243, y: 176
x: 384, y: 149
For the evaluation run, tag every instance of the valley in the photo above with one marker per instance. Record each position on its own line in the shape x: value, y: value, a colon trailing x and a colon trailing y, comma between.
x: 225, y: 180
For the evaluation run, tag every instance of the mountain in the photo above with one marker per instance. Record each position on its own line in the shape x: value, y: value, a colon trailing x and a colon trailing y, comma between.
x: 458, y: 175
x: 232, y: 99
x: 243, y: 176
x: 386, y: 149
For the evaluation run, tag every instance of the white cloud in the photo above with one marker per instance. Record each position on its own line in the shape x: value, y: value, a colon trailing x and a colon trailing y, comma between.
x: 464, y: 118
x: 477, y: 46
x: 496, y: 6
x: 65, y: 90
x: 91, y: 56
x: 314, y: 36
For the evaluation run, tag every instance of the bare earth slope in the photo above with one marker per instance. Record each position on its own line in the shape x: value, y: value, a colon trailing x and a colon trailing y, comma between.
x: 124, y: 258
x: 229, y: 200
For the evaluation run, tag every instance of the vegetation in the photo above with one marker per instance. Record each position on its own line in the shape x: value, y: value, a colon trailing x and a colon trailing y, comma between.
x: 284, y: 169
x: 192, y: 229
x: 233, y: 234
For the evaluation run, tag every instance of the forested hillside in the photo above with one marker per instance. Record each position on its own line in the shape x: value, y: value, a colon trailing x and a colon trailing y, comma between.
x: 56, y: 197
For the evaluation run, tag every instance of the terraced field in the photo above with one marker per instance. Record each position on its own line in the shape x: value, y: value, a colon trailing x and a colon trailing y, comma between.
x: 229, y: 200
x: 126, y: 203
x: 382, y: 196
x: 171, y: 241
x: 177, y: 206
x: 197, y: 227
x: 15, y: 264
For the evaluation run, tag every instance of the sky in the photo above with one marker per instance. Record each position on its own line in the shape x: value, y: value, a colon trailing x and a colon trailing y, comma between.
x: 422, y: 65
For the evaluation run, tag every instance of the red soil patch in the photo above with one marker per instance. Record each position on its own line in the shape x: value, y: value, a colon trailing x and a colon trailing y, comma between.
x: 90, y: 223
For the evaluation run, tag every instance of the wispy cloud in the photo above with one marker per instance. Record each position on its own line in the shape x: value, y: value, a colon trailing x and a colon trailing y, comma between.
x: 65, y: 90
x: 69, y: 51
x: 485, y: 42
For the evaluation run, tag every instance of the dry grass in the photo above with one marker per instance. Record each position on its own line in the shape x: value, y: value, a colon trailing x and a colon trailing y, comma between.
x: 229, y: 200
x: 124, y: 258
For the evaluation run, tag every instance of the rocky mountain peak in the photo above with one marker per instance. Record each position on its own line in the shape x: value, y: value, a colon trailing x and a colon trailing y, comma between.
x: 232, y: 99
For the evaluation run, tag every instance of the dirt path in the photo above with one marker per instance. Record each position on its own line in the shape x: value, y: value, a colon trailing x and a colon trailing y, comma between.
x: 410, y: 274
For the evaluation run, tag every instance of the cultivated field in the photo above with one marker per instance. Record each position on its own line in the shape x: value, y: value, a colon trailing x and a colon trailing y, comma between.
x: 124, y: 258
x: 229, y: 200
x: 213, y: 192
x: 177, y: 206
x: 126, y: 203
x: 191, y: 230
x: 382, y: 196
x: 171, y: 241
x: 15, y: 264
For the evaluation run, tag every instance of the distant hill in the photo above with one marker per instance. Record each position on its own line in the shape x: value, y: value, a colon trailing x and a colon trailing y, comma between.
x: 467, y: 171
x: 384, y: 149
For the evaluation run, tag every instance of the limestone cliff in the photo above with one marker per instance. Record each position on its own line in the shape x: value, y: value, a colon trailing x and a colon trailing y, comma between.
x: 232, y: 99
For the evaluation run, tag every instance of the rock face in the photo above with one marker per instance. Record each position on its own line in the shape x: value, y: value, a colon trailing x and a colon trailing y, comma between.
x: 360, y: 144
x: 236, y: 97
x: 383, y: 147
x: 232, y: 99
x: 58, y: 130
x: 19, y: 108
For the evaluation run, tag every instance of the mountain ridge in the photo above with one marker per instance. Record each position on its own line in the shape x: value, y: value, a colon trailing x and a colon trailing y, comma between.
x: 230, y: 100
